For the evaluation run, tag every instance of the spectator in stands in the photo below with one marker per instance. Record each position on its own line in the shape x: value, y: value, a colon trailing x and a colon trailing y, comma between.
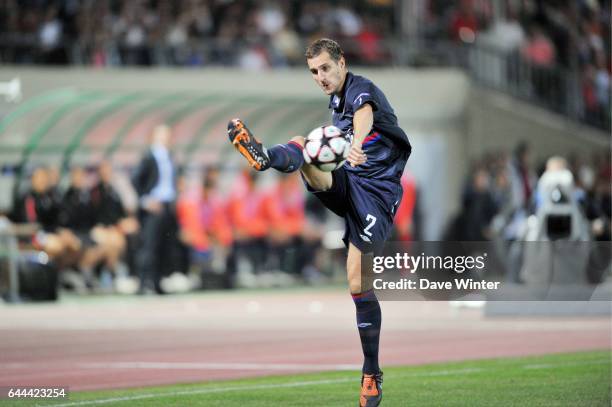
x: 287, y: 46
x: 464, y: 22
x: 254, y: 58
x: 370, y: 42
x: 602, y: 82
x: 50, y: 38
x: 201, y: 24
x: 603, y: 200
x: 598, y: 206
x: 270, y: 18
x: 591, y: 111
x: 501, y: 190
x: 539, y: 52
x: 594, y: 198
x: 522, y: 177
x: 478, y: 209
x: 505, y: 37
x: 310, y: 18
x: 176, y: 39
x: 229, y: 30
x: 349, y: 23
x: 155, y: 184
x: 132, y: 28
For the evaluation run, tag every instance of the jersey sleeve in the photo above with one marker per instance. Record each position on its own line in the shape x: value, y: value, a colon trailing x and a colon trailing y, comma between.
x: 362, y: 93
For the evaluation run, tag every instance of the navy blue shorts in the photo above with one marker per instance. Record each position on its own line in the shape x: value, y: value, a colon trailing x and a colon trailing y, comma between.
x: 367, y: 206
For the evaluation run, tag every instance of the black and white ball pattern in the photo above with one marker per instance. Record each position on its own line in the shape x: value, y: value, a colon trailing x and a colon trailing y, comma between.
x: 326, y: 148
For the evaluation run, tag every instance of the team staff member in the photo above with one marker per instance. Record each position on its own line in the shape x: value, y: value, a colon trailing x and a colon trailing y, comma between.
x: 155, y: 184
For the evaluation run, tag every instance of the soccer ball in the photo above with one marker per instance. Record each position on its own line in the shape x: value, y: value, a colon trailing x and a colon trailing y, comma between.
x: 326, y: 148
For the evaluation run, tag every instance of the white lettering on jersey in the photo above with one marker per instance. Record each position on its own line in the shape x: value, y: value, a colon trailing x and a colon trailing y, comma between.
x: 360, y: 98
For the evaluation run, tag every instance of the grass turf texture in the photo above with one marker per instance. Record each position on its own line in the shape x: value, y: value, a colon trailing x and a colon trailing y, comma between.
x: 577, y: 379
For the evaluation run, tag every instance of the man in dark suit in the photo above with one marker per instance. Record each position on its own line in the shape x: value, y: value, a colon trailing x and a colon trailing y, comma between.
x: 154, y: 181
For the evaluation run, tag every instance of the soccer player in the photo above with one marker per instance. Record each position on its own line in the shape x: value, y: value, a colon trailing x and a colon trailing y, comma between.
x: 366, y: 191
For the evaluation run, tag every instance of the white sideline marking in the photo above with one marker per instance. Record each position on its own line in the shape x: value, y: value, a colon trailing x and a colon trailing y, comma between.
x: 204, y: 391
x: 577, y: 363
x: 312, y: 382
x: 217, y: 366
x: 253, y: 387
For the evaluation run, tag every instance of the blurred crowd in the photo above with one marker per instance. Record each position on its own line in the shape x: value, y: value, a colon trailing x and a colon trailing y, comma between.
x: 556, y: 52
x: 564, y: 44
x: 164, y: 230
x: 250, y: 34
x: 510, y: 199
x: 505, y: 185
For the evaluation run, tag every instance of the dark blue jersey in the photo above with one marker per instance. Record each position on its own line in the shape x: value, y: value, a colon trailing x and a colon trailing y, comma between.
x: 387, y: 147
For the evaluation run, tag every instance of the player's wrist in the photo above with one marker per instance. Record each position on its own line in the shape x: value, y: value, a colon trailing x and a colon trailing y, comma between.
x: 359, y: 138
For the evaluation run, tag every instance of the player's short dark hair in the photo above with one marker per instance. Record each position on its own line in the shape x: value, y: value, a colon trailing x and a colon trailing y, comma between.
x: 324, y: 44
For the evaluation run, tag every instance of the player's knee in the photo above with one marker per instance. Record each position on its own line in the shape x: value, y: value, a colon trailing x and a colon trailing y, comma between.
x: 353, y: 269
x: 53, y: 246
x: 299, y: 140
x: 354, y: 279
x: 354, y: 285
x: 317, y: 179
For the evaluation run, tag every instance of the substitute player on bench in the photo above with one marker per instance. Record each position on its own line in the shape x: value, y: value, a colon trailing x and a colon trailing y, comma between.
x: 366, y: 191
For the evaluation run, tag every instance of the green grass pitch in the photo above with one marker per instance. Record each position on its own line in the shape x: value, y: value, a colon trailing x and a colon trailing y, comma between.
x: 576, y: 379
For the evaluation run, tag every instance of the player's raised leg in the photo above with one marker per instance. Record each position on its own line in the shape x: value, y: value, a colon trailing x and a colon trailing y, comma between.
x: 282, y: 157
x: 368, y: 323
x: 317, y: 179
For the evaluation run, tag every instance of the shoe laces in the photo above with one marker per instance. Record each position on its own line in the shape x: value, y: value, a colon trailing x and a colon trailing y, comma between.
x: 369, y: 382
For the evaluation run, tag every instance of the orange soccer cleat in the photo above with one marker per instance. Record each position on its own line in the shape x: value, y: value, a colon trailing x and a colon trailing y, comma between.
x: 371, y: 390
x: 247, y: 145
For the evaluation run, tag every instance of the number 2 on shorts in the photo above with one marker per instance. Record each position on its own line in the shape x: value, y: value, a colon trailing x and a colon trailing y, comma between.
x: 372, y: 220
